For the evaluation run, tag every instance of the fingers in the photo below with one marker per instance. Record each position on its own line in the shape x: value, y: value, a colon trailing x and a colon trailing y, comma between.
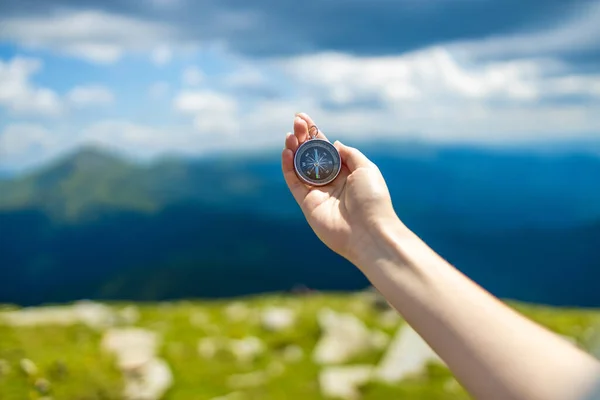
x: 291, y: 142
x: 298, y: 189
x: 305, y: 120
x: 352, y: 157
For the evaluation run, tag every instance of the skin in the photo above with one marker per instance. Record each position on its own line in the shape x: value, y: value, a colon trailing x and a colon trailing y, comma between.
x: 494, y: 352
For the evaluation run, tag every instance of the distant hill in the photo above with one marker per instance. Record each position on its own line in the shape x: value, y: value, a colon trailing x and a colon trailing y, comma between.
x: 94, y: 225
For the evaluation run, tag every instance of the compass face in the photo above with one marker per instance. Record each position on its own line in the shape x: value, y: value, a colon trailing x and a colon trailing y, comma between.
x: 317, y: 162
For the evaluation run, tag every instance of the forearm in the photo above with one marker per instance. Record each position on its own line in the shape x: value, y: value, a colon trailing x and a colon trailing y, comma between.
x: 493, y: 351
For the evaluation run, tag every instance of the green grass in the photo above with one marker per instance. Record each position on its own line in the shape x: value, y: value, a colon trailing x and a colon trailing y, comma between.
x: 71, y: 360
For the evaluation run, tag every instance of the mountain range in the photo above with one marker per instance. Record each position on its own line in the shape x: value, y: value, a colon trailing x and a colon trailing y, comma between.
x: 93, y: 224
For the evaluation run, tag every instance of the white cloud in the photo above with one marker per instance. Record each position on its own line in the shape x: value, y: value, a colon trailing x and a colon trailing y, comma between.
x: 213, y: 112
x: 430, y: 94
x: 96, y: 36
x: 246, y: 77
x: 19, y: 95
x: 90, y: 95
x: 158, y: 90
x: 192, y: 76
x: 578, y: 31
x: 18, y: 139
x: 429, y: 74
x: 161, y: 55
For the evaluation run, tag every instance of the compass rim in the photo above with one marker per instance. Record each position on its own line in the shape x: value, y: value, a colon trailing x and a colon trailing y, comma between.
x: 332, y: 177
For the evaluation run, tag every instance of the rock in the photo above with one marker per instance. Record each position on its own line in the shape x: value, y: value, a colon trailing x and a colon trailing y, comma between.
x: 407, y: 355
x: 293, y: 353
x: 28, y: 367
x: 131, y: 346
x: 278, y: 318
x: 199, y: 319
x: 344, y: 337
x: 343, y: 382
x: 149, y: 381
x: 42, y: 386
x: 246, y: 349
x: 389, y: 319
x: 209, y: 346
x: 231, y: 396
x: 237, y: 312
x: 129, y: 315
x: 95, y: 315
x: 251, y: 379
x: 379, y: 339
x: 275, y: 368
x: 146, y: 376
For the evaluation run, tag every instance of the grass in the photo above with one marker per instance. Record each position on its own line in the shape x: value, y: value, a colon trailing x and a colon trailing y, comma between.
x: 70, y: 358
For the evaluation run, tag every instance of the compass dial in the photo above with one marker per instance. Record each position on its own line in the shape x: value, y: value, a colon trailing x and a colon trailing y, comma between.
x: 317, y: 162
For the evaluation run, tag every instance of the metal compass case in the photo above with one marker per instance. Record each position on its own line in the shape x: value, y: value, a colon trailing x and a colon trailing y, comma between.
x: 317, y: 162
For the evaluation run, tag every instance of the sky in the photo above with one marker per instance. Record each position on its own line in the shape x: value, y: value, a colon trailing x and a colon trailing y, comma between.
x: 191, y: 77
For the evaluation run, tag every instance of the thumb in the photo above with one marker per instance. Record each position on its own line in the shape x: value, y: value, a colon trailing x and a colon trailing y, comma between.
x: 352, y: 157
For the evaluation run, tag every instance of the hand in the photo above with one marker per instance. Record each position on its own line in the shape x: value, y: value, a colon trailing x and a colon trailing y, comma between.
x: 345, y: 213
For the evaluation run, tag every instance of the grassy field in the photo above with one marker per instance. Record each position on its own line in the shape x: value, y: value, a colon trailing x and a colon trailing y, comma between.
x: 72, y: 366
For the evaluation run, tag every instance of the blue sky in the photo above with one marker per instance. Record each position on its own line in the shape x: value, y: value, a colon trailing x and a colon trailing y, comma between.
x: 181, y: 76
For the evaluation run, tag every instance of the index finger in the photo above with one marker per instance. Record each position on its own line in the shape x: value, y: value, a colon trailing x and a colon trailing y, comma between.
x: 310, y: 123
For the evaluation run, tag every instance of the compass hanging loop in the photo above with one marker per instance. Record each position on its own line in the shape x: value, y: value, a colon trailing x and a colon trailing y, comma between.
x: 313, y: 129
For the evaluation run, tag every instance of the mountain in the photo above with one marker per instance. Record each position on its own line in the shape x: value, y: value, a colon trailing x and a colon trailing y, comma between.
x: 94, y: 225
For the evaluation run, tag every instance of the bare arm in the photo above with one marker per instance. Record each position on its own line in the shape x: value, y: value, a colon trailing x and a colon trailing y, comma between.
x: 493, y: 351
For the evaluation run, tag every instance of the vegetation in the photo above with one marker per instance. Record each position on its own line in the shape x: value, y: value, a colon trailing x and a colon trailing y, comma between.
x: 71, y: 360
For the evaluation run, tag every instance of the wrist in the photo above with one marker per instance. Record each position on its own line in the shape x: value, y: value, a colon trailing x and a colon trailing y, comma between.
x: 387, y: 241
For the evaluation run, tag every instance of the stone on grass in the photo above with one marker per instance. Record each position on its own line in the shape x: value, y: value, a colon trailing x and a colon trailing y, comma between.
x: 248, y: 380
x: 28, y: 367
x: 231, y: 396
x: 209, y: 346
x: 146, y: 376
x: 389, y: 319
x: 344, y: 337
x: 131, y: 346
x: 149, y: 381
x: 275, y: 368
x: 129, y: 315
x: 95, y: 315
x: 379, y: 339
x: 277, y: 318
x: 407, y: 355
x: 237, y: 312
x: 344, y: 382
x: 42, y: 386
x: 246, y: 349
x: 199, y: 319
x: 293, y: 353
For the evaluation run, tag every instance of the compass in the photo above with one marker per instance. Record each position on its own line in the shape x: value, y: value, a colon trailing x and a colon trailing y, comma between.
x: 317, y: 162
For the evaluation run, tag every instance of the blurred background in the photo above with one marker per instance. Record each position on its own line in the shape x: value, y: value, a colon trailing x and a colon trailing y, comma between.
x: 142, y: 204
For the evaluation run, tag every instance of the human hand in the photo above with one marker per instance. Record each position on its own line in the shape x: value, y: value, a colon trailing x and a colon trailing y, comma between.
x: 346, y: 213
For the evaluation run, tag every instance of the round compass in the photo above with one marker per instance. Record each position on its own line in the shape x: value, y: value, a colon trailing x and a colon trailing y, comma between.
x: 317, y: 162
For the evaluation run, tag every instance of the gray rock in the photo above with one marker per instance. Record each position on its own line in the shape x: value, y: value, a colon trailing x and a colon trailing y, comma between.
x: 278, y: 318
x: 344, y: 337
x: 149, y: 381
x: 407, y: 355
x: 28, y: 367
x: 248, y: 380
x: 344, y: 382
